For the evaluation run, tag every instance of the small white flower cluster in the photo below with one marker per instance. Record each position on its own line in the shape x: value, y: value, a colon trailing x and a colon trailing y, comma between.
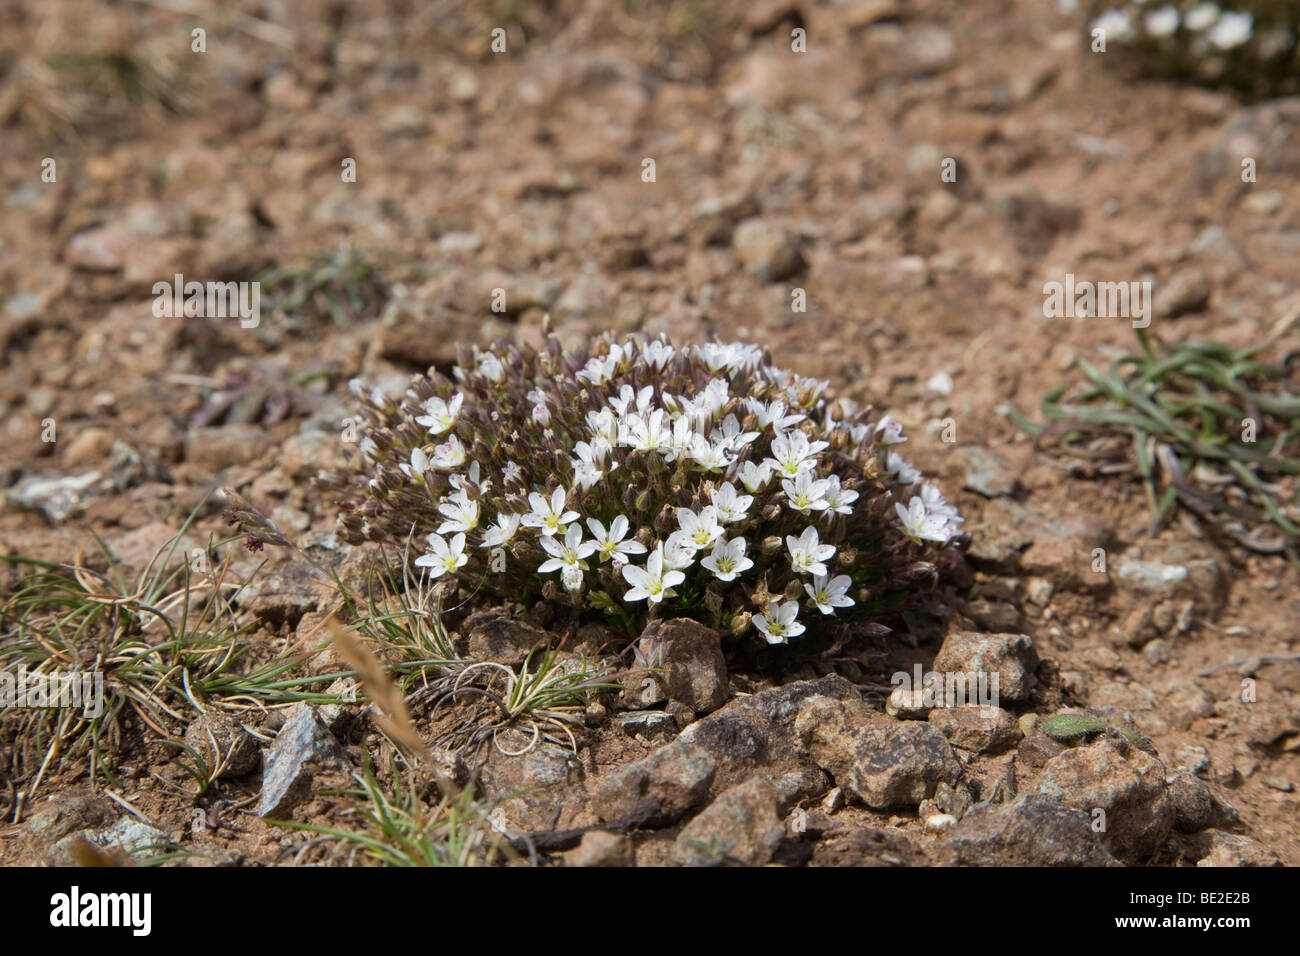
x: 712, y: 441
x: 1206, y: 27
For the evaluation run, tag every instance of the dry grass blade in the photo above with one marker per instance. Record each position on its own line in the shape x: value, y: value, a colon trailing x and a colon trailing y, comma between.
x: 394, y: 718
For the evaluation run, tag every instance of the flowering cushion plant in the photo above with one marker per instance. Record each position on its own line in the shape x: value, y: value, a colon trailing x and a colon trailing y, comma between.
x: 640, y: 479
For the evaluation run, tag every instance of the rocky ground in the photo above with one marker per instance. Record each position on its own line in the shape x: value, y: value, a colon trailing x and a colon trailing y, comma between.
x: 774, y: 171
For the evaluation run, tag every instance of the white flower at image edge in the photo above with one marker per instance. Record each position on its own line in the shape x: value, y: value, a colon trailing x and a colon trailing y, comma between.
x: 807, y: 553
x: 830, y: 593
x: 549, y: 516
x: 445, y: 557
x: 779, y: 624
x: 652, y: 582
x: 501, y: 532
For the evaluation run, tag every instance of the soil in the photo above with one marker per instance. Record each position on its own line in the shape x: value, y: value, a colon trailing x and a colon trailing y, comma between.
x: 524, y: 171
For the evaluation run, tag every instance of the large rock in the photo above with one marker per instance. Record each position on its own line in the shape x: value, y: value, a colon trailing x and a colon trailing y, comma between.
x: 538, y: 790
x: 1010, y: 656
x: 658, y: 789
x: 977, y: 729
x: 743, y: 825
x: 1126, y: 783
x: 695, y: 670
x: 757, y: 732
x: 494, y: 635
x: 884, y: 762
x: 1033, y: 830
x: 303, y: 747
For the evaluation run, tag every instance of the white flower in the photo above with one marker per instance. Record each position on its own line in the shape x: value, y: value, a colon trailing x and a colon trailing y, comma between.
x: 921, y: 525
x: 805, y: 493
x: 586, y: 467
x: 1162, y: 22
x: 460, y: 512
x: 502, y: 532
x: 779, y: 623
x: 511, y: 470
x: 444, y: 557
x: 541, y: 414
x: 679, y: 552
x: 807, y: 553
x: 644, y: 434
x: 1200, y: 17
x: 773, y: 414
x: 603, y: 425
x: 472, y: 477
x: 709, y: 456
x: 567, y: 556
x: 729, y: 506
x: 889, y: 431
x: 657, y: 354
x: 830, y: 593
x: 549, y: 516
x: 682, y: 439
x: 627, y: 396
x: 1114, y: 24
x: 896, y: 466
x: 1232, y: 30
x: 439, y: 415
x: 728, y: 559
x: 611, y: 544
x: 599, y: 369
x: 415, y: 470
x: 935, y: 504
x: 652, y: 582
x: 730, y: 437
x: 813, y: 388
x: 839, y: 500
x: 701, y: 529
x: 732, y: 357
x: 792, y: 453
x: 755, y: 476
x: 448, y: 456
x: 491, y: 368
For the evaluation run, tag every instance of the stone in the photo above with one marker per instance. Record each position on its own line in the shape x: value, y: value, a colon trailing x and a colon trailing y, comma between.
x: 1010, y: 656
x: 222, y: 742
x: 541, y: 789
x: 757, y: 732
x: 128, y: 836
x: 68, y: 811
x: 1033, y: 830
x: 983, y: 730
x: 1186, y: 291
x: 744, y: 820
x: 988, y: 472
x: 496, y: 635
x: 696, y: 670
x: 883, y: 762
x: 303, y: 746
x: 601, y: 848
x: 1196, y: 807
x: 1036, y: 749
x: 1228, y: 849
x: 768, y: 251
x: 658, y: 789
x: 1126, y: 783
x: 220, y: 446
